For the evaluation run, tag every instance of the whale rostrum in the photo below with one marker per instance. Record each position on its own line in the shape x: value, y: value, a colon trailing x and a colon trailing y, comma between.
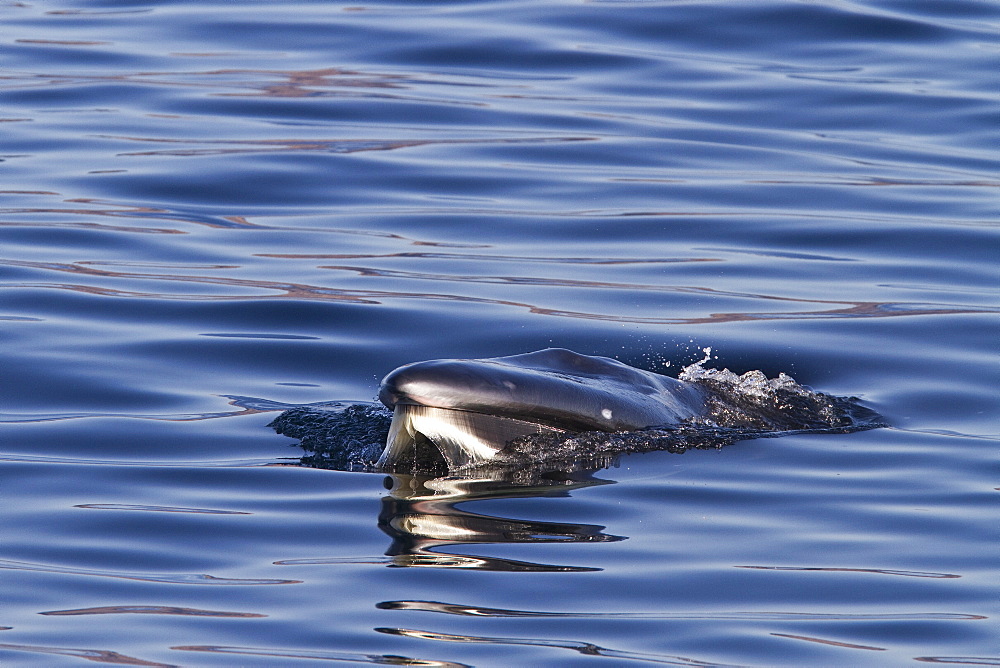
x: 469, y: 409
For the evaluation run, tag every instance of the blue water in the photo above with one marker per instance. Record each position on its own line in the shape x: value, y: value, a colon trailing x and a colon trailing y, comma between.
x: 209, y: 209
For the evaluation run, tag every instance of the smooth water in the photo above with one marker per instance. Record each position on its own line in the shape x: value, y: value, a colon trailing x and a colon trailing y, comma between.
x: 210, y: 210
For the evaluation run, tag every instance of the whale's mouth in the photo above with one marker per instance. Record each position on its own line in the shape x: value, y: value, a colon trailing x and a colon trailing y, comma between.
x: 459, y: 438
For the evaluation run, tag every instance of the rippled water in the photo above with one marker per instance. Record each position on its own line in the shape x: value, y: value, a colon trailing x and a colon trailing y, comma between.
x: 209, y: 211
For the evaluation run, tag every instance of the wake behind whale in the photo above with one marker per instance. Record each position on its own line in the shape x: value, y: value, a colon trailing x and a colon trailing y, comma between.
x: 555, y: 410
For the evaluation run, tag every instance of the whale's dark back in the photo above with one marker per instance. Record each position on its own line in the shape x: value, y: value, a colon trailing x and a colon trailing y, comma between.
x: 555, y: 387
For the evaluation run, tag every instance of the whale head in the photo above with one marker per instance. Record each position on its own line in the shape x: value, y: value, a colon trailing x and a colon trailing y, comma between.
x: 469, y: 409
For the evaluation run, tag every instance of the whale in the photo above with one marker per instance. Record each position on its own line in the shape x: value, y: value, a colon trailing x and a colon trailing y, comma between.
x: 468, y: 410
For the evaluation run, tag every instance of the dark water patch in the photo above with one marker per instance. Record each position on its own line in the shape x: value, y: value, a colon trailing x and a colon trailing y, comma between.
x: 174, y: 417
x: 474, y: 611
x: 260, y: 335
x: 97, y: 12
x: 96, y: 655
x: 585, y: 648
x: 876, y: 571
x: 961, y: 660
x: 157, y: 509
x: 18, y: 318
x: 224, y: 463
x: 329, y: 146
x: 323, y: 655
x: 151, y: 610
x: 168, y: 578
x: 827, y: 641
x: 493, y: 258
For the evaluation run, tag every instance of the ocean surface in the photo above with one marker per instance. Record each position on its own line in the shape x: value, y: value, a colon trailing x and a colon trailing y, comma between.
x: 211, y: 211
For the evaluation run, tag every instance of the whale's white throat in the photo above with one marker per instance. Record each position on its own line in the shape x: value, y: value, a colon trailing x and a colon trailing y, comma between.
x: 462, y: 438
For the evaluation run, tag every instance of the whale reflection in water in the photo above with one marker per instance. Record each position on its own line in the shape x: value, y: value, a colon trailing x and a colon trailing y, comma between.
x: 421, y: 516
x: 468, y: 410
